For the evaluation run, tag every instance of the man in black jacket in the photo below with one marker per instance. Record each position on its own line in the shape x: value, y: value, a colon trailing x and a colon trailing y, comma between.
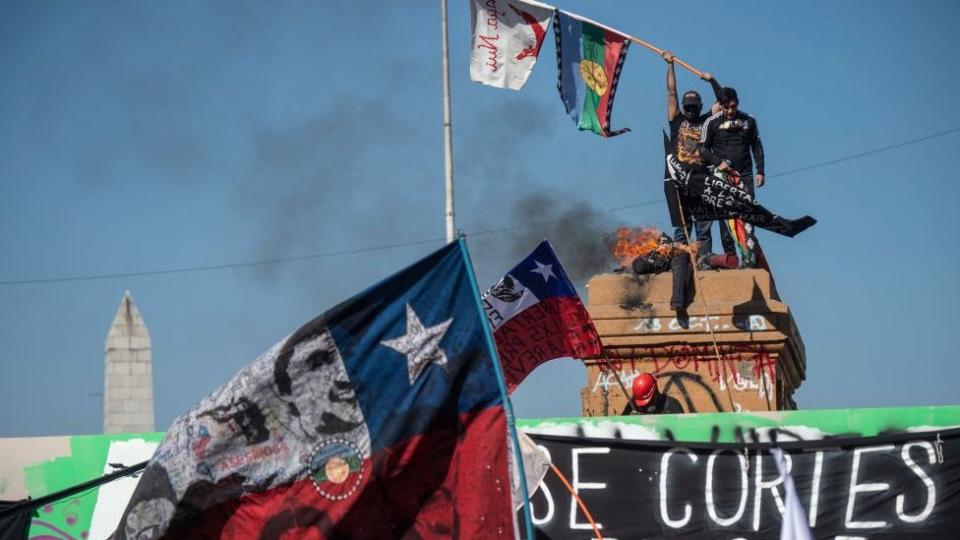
x: 728, y: 139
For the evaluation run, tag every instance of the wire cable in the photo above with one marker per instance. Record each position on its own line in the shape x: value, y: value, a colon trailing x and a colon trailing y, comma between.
x: 865, y: 154
x: 314, y: 256
x: 225, y: 266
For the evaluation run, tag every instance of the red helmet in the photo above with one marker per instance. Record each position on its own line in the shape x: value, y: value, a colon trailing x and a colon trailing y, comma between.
x: 644, y: 388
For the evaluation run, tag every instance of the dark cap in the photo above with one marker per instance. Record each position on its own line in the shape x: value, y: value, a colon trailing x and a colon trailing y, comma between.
x: 728, y: 94
x: 691, y: 98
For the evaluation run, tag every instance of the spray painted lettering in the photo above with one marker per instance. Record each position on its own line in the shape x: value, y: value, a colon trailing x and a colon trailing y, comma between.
x: 657, y: 490
x: 491, y: 42
x: 750, y: 323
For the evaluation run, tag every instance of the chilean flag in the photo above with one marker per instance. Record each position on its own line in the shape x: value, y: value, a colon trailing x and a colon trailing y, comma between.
x: 537, y: 316
x: 381, y: 418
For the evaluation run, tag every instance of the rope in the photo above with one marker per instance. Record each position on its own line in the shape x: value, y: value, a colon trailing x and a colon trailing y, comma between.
x: 583, y: 507
x: 703, y: 299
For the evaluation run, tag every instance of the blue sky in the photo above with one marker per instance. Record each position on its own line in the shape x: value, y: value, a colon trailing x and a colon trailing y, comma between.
x: 142, y: 136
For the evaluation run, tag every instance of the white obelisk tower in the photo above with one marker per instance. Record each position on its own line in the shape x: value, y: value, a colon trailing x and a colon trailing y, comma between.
x: 128, y: 373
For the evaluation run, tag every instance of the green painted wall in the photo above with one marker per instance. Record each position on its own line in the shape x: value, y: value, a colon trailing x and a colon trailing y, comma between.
x: 71, y: 518
x: 699, y: 427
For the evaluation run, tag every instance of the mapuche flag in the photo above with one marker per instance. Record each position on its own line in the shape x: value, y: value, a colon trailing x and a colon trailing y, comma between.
x: 537, y: 316
x: 589, y: 61
x: 507, y: 35
x: 381, y: 418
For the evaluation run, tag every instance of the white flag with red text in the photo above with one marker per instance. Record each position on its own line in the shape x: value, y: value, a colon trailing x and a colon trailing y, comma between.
x: 507, y: 35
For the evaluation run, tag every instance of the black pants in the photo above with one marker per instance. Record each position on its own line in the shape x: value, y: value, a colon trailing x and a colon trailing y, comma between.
x: 682, y: 280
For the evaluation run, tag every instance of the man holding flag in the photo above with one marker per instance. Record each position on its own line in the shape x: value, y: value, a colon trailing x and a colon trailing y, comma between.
x: 686, y: 120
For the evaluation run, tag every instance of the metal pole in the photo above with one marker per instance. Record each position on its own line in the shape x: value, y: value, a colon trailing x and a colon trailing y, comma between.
x: 507, y: 406
x: 447, y: 131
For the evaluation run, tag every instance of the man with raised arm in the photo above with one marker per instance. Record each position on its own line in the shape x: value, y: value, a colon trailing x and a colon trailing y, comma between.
x: 686, y: 122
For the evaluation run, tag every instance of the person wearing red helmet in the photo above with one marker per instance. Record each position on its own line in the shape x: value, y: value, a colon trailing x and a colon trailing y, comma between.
x: 647, y: 398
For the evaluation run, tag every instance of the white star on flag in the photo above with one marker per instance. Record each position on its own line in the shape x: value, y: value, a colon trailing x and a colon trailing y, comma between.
x: 421, y: 345
x: 545, y: 270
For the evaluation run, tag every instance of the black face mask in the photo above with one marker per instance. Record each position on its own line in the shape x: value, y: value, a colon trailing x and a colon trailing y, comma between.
x: 691, y: 111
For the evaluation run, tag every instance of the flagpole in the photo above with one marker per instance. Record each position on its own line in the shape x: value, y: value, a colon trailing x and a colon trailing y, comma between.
x: 636, y: 40
x: 507, y: 406
x: 447, y: 129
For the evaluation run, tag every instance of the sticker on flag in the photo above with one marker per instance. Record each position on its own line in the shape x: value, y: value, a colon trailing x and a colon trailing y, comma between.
x: 381, y: 418
x: 507, y: 35
x: 537, y: 316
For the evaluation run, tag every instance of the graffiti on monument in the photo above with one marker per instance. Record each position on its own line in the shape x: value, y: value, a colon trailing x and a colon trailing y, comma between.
x: 748, y: 323
x: 687, y: 369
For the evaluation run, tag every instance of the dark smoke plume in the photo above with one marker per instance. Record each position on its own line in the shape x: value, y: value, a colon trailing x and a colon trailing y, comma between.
x: 501, y: 191
x: 579, y: 232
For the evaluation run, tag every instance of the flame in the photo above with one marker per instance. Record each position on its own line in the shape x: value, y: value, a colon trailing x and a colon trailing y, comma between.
x: 639, y: 242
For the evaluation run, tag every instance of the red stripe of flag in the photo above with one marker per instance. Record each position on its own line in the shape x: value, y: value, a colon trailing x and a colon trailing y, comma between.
x: 555, y: 327
x: 613, y: 47
x: 434, y: 496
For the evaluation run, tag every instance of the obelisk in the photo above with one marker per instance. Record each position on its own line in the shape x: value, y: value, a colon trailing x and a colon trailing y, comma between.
x: 128, y: 373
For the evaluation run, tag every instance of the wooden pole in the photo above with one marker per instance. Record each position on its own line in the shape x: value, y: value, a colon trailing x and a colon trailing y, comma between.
x: 703, y: 298
x: 636, y: 40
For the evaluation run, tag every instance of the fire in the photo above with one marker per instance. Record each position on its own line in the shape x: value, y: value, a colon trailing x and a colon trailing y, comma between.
x: 632, y: 243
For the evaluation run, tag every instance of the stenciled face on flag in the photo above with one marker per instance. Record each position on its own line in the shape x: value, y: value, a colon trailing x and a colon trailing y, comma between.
x: 537, y: 316
x: 381, y: 418
x: 507, y: 35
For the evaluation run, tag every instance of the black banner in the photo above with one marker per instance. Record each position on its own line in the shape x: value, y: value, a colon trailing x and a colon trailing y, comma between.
x: 889, y: 487
x: 708, y: 196
x: 14, y: 526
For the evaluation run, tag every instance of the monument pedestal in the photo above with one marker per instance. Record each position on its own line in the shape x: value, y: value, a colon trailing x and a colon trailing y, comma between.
x: 761, y: 355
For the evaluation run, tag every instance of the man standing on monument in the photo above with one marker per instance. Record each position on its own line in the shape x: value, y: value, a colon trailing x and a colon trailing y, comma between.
x: 728, y: 138
x: 686, y: 121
